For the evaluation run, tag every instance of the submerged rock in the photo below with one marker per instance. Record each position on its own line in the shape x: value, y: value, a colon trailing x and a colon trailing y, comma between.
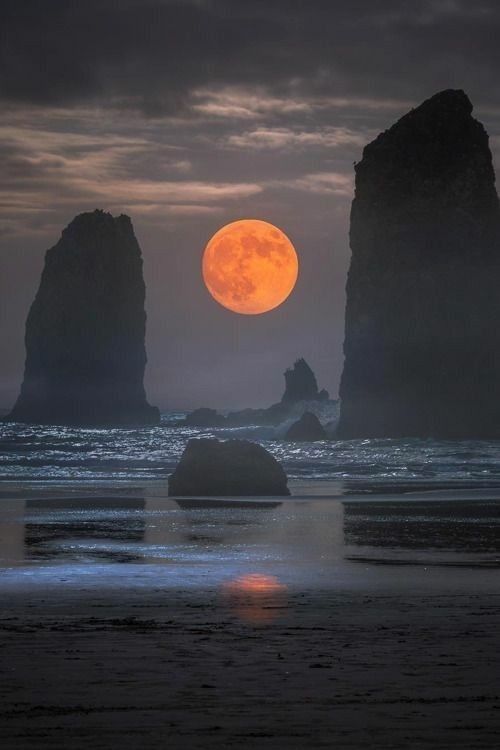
x: 422, y: 335
x: 245, y: 417
x: 85, y: 351
x: 273, y: 415
x: 307, y: 428
x: 204, y: 417
x: 232, y: 467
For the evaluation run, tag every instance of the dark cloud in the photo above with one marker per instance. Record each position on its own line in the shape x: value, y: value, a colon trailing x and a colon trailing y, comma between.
x: 152, y: 54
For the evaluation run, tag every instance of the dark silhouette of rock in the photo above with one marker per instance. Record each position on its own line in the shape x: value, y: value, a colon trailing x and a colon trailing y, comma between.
x: 245, y: 417
x: 422, y: 354
x: 301, y: 386
x: 307, y: 428
x: 85, y: 352
x: 232, y: 467
x: 204, y: 417
x: 273, y: 415
x: 300, y: 383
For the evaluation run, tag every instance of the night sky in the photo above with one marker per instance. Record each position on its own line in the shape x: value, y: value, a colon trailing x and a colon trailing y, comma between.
x: 188, y: 115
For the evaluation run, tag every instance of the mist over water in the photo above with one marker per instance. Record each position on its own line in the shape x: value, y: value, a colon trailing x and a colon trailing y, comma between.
x: 55, y: 453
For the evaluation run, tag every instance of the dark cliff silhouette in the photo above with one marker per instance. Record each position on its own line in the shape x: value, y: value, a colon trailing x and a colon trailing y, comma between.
x: 85, y: 352
x: 422, y: 355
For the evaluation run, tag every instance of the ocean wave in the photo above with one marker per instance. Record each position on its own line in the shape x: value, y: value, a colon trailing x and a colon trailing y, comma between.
x: 37, y: 452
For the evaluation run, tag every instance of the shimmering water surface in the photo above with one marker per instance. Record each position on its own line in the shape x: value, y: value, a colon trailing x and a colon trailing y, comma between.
x: 32, y: 452
x: 92, y: 505
x: 104, y: 538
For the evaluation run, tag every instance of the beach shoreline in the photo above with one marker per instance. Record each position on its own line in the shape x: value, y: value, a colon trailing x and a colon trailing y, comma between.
x: 130, y: 619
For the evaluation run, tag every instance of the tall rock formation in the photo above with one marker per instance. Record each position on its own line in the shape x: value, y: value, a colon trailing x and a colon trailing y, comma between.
x: 422, y: 335
x: 301, y: 384
x: 85, y: 352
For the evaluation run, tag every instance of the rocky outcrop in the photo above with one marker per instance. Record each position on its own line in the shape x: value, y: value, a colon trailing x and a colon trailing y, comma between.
x: 307, y: 428
x: 85, y: 351
x: 273, y: 415
x: 233, y: 467
x: 422, y: 341
x: 301, y: 385
x: 301, y: 389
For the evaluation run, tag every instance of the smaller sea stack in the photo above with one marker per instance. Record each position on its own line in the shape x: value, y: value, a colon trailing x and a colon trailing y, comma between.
x: 301, y: 384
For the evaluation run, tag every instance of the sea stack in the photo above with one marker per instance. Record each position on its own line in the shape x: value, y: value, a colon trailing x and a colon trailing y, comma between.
x: 85, y: 350
x: 422, y: 332
x: 301, y: 384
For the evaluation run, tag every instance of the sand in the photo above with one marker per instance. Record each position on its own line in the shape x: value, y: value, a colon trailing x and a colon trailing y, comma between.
x: 140, y: 624
x: 136, y: 669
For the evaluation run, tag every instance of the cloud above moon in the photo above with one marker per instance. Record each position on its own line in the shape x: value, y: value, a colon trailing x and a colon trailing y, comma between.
x: 147, y: 54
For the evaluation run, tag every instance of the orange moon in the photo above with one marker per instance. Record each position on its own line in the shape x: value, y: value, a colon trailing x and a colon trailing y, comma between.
x: 250, y: 266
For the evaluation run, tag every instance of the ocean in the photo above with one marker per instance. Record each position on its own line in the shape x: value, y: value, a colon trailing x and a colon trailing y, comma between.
x: 38, y: 453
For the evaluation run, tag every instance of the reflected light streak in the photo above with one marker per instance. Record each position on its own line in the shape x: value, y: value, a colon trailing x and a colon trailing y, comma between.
x: 255, y: 598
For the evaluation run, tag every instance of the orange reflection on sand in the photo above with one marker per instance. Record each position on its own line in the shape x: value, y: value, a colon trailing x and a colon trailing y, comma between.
x: 256, y: 598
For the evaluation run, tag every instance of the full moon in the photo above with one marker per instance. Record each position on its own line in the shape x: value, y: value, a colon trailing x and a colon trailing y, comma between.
x: 250, y: 266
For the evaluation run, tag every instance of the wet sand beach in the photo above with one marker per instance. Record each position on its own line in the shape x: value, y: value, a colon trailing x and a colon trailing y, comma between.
x: 164, y: 668
x: 130, y: 620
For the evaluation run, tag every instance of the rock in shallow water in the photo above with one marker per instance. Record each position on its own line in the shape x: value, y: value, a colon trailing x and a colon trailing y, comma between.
x: 224, y: 468
x: 85, y: 351
x: 422, y: 338
x: 307, y: 428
